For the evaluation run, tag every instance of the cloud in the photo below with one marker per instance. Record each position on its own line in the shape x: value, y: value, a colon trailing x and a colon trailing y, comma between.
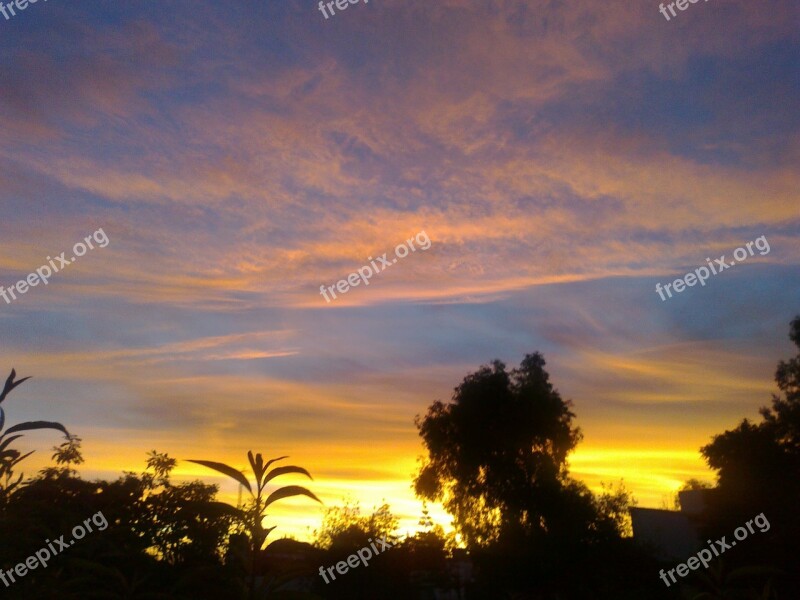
x: 562, y: 157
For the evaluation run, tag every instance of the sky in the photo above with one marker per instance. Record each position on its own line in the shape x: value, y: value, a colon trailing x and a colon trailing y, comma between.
x: 561, y: 157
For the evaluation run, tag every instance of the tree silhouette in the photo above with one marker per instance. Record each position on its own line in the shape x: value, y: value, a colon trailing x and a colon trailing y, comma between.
x: 497, y: 453
x: 496, y: 458
x: 758, y: 470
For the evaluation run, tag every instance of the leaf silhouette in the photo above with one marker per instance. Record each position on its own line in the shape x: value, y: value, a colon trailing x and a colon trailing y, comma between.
x: 5, y: 444
x: 269, y: 462
x: 226, y: 470
x: 29, y: 425
x: 11, y: 384
x: 287, y: 492
x: 257, y: 464
x: 278, y: 471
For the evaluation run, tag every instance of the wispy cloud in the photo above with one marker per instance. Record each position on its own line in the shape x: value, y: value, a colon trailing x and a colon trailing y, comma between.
x: 562, y: 157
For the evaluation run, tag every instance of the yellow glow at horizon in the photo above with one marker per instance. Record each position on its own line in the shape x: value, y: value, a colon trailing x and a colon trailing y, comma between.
x: 652, y: 474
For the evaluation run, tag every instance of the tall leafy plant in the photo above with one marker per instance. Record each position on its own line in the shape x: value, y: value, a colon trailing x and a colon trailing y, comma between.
x: 9, y: 457
x: 254, y: 511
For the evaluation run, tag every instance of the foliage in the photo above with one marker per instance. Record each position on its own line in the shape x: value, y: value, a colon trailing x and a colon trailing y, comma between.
x: 497, y: 459
x: 66, y: 455
x: 345, y: 526
x: 497, y: 453
x: 159, y: 533
x: 741, y: 455
x: 255, y: 510
x: 9, y: 457
x: 252, y: 515
x: 162, y: 466
x: 758, y: 471
x: 613, y: 510
x: 180, y: 523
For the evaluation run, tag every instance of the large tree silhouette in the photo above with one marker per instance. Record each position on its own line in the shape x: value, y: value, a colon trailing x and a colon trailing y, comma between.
x: 755, y: 458
x: 758, y: 470
x: 496, y: 458
x: 497, y: 453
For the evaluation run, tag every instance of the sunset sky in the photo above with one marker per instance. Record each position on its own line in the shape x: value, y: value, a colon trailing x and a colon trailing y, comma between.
x: 563, y: 157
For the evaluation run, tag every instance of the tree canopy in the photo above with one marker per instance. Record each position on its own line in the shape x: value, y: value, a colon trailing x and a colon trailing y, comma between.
x: 497, y: 457
x: 758, y: 471
x: 756, y: 459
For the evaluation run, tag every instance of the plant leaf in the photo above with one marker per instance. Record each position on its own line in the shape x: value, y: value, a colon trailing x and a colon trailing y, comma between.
x: 252, y: 460
x: 24, y: 456
x: 263, y: 535
x: 11, y: 384
x: 29, y: 425
x: 19, y: 459
x: 226, y: 470
x: 8, y: 385
x: 269, y: 462
x: 8, y: 441
x: 260, y: 467
x: 287, y: 492
x: 278, y: 471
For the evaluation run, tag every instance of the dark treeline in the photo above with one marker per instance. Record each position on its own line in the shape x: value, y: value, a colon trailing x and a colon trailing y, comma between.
x: 496, y: 457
